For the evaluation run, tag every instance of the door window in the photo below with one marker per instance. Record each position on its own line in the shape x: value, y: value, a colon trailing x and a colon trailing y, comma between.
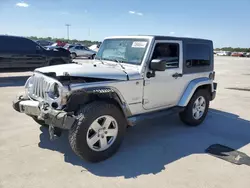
x: 78, y: 47
x: 168, y: 52
x: 85, y: 48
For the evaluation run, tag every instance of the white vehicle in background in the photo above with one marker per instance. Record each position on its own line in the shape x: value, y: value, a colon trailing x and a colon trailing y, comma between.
x: 82, y: 51
x: 222, y: 53
x: 94, y: 47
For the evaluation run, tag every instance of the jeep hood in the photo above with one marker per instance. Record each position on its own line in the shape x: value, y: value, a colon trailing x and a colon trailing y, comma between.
x: 89, y: 70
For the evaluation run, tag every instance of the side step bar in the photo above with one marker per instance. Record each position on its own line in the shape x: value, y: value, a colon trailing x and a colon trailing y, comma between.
x: 133, y: 120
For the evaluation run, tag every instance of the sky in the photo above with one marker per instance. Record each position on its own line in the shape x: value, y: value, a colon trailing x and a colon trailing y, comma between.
x: 226, y: 22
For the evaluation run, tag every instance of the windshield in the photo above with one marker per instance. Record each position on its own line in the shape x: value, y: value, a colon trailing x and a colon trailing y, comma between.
x: 129, y: 51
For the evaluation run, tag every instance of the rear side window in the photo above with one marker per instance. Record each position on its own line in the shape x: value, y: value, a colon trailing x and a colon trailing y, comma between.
x: 198, y: 55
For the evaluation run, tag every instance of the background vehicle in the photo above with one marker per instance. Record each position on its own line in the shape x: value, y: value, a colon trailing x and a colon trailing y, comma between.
x: 18, y: 52
x: 61, y: 43
x: 82, y: 51
x: 95, y: 47
x: 68, y: 46
x: 237, y: 54
x: 222, y: 53
x: 44, y: 42
x: 132, y: 78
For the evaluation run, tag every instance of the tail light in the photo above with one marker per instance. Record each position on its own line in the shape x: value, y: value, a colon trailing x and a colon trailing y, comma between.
x: 212, y: 75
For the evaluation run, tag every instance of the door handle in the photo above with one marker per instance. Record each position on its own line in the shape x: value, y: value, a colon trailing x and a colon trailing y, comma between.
x: 176, y: 75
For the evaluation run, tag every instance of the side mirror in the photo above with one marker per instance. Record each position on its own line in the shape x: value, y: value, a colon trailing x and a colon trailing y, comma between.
x: 157, y: 65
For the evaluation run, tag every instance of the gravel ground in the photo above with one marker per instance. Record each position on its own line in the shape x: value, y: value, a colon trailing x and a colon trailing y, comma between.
x: 160, y: 153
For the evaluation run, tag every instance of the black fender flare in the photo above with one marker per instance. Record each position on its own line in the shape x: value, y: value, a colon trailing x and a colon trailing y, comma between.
x: 87, y: 95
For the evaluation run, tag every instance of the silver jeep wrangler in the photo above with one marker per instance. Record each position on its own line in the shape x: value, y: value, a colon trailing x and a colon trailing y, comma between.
x: 132, y: 78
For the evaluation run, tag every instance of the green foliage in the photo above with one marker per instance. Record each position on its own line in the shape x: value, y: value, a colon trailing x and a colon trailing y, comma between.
x: 71, y: 41
x: 230, y: 49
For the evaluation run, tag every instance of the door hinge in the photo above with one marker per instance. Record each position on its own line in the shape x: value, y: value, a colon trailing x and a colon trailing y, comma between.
x: 146, y: 82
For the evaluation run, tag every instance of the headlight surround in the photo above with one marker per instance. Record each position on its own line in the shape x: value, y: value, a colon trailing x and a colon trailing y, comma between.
x: 57, y: 92
x: 64, y: 95
x: 28, y: 85
x: 54, y: 91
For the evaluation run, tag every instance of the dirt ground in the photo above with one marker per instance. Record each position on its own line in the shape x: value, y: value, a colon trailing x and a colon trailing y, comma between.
x: 158, y: 153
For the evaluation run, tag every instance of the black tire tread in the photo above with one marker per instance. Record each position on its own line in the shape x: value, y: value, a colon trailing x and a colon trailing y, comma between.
x: 75, y: 132
x: 187, y: 117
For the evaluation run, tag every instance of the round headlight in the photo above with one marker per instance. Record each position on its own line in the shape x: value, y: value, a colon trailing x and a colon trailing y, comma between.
x: 54, y: 91
x: 28, y: 85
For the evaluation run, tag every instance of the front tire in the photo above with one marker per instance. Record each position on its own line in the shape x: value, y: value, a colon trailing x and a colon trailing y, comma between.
x: 100, y: 133
x: 197, y: 108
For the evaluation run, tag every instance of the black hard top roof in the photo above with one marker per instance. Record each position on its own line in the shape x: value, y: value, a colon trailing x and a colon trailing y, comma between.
x: 162, y: 37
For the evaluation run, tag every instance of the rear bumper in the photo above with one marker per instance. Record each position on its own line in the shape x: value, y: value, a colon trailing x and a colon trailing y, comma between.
x: 213, y: 95
x: 52, y: 117
x: 214, y: 91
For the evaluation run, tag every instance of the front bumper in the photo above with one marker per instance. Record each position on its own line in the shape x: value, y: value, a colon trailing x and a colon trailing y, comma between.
x: 51, y: 117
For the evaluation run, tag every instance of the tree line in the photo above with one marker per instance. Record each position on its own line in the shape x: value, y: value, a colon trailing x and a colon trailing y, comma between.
x: 72, y: 41
x: 230, y: 49
x: 89, y: 43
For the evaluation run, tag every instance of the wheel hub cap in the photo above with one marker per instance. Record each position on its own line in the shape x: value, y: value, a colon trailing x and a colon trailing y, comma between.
x: 199, y: 107
x: 102, y: 133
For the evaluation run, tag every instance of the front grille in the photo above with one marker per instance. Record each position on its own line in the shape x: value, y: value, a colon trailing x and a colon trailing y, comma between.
x: 39, y: 88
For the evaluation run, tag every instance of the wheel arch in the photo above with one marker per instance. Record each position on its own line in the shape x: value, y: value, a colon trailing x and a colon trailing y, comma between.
x: 193, y: 86
x: 54, y: 61
x: 87, y: 95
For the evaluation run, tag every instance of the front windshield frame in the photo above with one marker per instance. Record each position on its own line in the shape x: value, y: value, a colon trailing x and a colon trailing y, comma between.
x: 99, y: 54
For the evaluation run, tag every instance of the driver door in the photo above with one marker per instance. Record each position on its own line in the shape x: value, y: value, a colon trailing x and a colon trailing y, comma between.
x: 166, y: 87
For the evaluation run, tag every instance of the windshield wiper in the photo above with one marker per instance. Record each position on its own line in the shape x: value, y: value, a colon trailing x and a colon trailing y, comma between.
x: 115, y: 60
x: 119, y: 63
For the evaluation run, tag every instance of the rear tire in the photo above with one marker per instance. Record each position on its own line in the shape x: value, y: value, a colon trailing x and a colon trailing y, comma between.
x: 87, y: 139
x: 195, y: 112
x: 93, y: 56
x: 73, y: 55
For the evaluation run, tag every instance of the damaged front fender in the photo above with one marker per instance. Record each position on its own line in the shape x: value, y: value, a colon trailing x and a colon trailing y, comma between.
x: 78, y: 98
